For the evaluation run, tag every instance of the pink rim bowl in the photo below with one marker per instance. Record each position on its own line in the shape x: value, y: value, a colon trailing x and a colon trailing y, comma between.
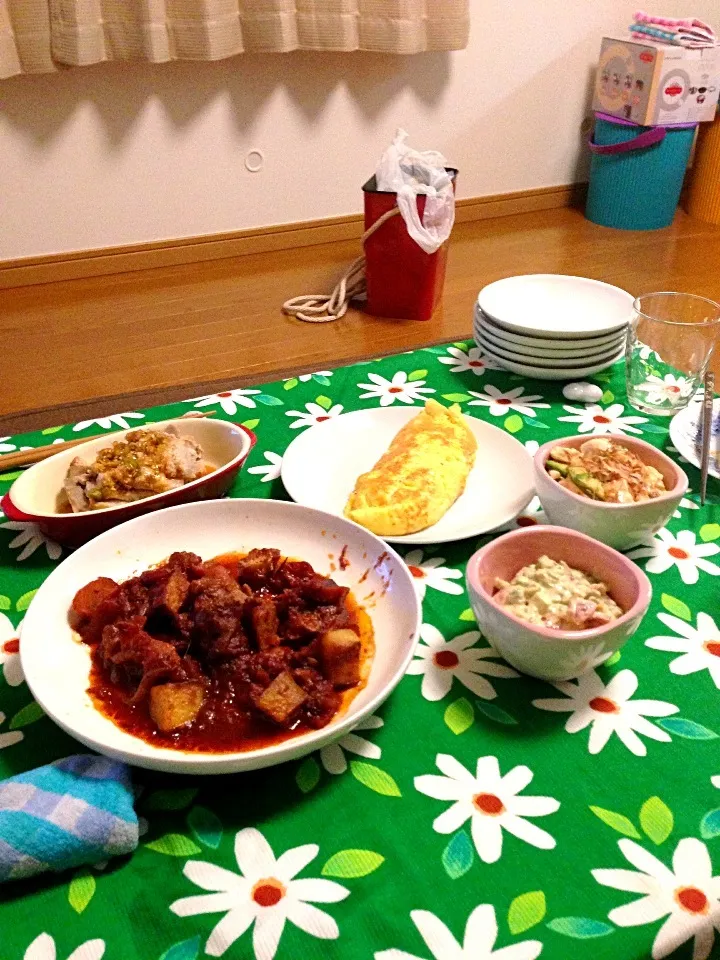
x: 542, y: 652
x: 619, y: 525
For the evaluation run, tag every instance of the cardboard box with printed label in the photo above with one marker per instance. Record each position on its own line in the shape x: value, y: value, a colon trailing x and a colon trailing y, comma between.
x: 656, y: 84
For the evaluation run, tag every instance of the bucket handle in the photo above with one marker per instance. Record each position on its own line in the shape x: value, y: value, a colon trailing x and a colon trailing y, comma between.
x: 645, y: 139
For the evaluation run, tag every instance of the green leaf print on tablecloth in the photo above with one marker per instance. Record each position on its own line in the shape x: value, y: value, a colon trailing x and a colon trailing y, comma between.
x: 459, y: 715
x: 206, y: 826
x: 308, y: 775
x: 656, y: 819
x: 458, y: 855
x: 710, y: 825
x: 526, y: 910
x: 82, y: 890
x: 174, y: 845
x: 453, y: 863
x: 675, y: 606
x: 29, y: 714
x: 617, y: 821
x: 185, y: 950
x: 581, y: 928
x: 375, y: 779
x: 352, y: 863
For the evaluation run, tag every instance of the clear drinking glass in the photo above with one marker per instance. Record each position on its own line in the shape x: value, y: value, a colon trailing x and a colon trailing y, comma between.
x: 670, y: 340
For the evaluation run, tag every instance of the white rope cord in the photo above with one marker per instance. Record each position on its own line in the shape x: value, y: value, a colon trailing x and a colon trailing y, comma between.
x: 321, y: 307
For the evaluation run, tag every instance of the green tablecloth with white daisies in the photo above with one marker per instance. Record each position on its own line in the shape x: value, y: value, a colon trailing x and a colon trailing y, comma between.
x: 480, y: 813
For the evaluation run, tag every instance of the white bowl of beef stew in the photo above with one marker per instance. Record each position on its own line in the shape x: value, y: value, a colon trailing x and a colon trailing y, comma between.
x: 239, y: 665
x: 38, y: 495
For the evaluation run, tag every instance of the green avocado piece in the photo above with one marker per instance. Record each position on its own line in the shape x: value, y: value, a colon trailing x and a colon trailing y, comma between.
x: 582, y: 479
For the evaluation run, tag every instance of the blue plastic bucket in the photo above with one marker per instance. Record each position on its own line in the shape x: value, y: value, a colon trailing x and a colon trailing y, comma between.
x: 636, y: 173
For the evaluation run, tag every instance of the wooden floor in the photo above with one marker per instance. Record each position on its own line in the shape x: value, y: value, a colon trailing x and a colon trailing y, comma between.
x: 82, y: 348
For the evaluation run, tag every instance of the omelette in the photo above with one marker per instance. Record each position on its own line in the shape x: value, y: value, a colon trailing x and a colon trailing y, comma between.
x: 419, y: 477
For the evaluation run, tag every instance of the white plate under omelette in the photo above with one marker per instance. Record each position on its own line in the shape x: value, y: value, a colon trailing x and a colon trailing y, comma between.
x: 321, y: 466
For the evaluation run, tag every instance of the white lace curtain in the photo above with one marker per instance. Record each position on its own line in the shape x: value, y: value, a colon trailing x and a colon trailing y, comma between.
x: 38, y: 36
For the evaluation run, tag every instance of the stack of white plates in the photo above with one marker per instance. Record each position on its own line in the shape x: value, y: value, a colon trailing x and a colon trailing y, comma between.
x: 552, y: 327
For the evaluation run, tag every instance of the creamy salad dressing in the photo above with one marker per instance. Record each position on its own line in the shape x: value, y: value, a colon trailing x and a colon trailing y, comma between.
x: 549, y: 593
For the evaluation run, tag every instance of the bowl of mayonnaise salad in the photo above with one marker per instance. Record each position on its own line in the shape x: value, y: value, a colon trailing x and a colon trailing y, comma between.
x: 554, y: 602
x: 619, y: 490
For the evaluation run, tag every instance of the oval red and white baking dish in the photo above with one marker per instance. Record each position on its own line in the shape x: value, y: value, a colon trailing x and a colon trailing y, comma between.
x: 33, y: 496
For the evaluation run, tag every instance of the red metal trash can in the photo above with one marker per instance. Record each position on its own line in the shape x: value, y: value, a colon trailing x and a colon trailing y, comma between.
x: 403, y: 281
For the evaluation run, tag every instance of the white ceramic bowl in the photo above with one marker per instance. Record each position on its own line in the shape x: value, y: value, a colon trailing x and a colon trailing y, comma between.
x: 538, y: 347
x: 57, y: 664
x: 34, y: 495
x: 547, y: 373
x: 552, y: 304
x: 542, y: 652
x: 550, y: 363
x: 619, y: 525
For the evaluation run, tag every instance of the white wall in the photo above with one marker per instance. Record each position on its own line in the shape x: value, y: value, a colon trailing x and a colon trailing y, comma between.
x: 120, y: 154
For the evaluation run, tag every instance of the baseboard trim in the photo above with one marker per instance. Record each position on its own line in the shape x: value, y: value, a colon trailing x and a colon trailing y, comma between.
x: 164, y: 253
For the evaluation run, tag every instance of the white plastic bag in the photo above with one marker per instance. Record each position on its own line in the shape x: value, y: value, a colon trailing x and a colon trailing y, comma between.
x: 409, y: 172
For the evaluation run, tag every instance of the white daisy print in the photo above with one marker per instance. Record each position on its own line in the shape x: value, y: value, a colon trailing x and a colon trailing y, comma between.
x: 667, y: 389
x: 439, y: 660
x: 229, y: 400
x: 264, y: 893
x: 688, y: 895
x: 314, y: 413
x: 699, y: 645
x: 609, y: 709
x: 306, y: 377
x: 646, y: 352
x: 399, y: 388
x: 474, y: 361
x: 596, y: 419
x: 432, y: 573
x: 666, y: 549
x: 270, y: 470
x: 43, y: 948
x: 715, y: 781
x: 490, y: 801
x: 10, y: 652
x: 107, y: 423
x: 532, y: 447
x: 481, y: 933
x: 10, y: 738
x: 685, y: 504
x: 332, y: 757
x: 9, y: 447
x: 29, y: 537
x: 498, y: 403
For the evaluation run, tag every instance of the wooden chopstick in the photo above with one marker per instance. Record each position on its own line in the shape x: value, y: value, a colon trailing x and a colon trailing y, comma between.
x: 707, y: 412
x: 25, y: 458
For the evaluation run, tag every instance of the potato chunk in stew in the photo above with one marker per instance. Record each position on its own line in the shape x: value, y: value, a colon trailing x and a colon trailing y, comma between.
x: 281, y: 699
x: 341, y: 651
x: 172, y: 705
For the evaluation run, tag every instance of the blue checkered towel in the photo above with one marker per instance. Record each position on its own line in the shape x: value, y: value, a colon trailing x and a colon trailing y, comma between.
x: 71, y: 812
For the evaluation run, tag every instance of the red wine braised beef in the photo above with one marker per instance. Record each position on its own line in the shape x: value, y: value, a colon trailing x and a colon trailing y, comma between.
x: 227, y: 654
